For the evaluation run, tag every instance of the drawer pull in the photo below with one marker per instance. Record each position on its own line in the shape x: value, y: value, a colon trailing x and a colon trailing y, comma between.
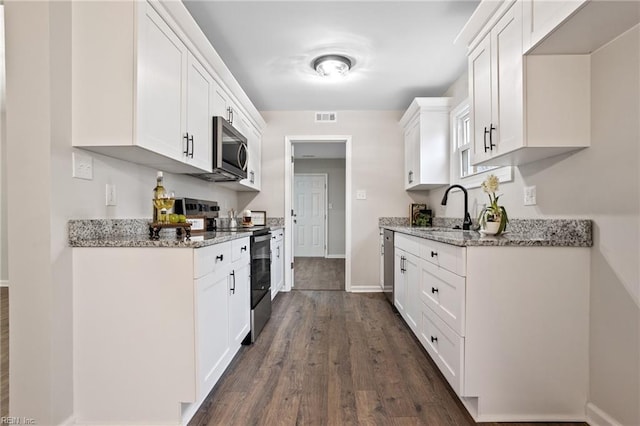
x: 243, y: 248
x: 434, y: 339
x: 434, y: 253
x: 220, y: 257
x: 434, y: 290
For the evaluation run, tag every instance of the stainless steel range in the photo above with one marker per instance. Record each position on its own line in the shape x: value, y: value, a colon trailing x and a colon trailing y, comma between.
x: 260, y: 258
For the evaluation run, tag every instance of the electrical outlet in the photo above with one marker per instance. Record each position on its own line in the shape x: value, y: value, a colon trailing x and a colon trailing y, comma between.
x: 530, y: 195
x: 361, y: 194
x: 110, y: 195
x: 82, y: 165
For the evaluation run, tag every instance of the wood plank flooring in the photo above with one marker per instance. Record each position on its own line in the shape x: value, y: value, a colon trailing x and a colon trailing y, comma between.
x: 333, y: 358
x: 4, y: 351
x: 318, y: 273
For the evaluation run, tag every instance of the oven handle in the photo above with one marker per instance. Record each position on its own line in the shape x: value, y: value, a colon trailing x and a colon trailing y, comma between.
x: 262, y: 238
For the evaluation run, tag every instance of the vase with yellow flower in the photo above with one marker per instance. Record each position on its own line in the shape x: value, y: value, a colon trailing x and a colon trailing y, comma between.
x: 493, y: 218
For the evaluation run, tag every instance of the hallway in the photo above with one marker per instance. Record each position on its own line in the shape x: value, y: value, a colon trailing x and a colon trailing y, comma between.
x: 318, y: 273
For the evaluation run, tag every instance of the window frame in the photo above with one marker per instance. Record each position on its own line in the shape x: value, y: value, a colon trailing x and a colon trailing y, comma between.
x: 473, y: 180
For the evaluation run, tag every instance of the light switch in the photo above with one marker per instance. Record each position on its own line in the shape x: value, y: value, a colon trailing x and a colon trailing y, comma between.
x: 111, y: 197
x: 82, y: 165
x: 530, y: 195
x: 361, y: 194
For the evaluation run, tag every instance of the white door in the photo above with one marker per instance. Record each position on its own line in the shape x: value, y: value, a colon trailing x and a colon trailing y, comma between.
x: 310, y: 211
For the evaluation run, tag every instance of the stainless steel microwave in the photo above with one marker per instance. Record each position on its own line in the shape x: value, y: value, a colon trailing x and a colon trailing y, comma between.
x: 229, y: 153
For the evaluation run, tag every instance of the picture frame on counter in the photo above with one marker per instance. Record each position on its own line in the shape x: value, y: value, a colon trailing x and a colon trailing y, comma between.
x: 258, y: 217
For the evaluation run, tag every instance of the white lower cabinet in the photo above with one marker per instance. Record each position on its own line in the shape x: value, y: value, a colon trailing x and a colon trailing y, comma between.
x: 213, y: 326
x: 507, y: 326
x: 277, y: 261
x: 160, y: 322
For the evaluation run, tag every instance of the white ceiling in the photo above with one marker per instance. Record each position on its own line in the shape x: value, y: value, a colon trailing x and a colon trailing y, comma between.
x: 402, y: 49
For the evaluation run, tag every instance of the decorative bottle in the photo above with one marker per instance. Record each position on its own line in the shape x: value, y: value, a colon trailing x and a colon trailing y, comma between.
x: 158, y: 192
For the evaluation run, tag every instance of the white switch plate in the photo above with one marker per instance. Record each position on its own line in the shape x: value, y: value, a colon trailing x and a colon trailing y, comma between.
x: 530, y: 195
x: 82, y: 166
x: 110, y: 195
x: 361, y: 194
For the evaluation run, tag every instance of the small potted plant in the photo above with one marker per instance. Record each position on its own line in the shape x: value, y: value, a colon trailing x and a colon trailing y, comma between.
x: 493, y: 218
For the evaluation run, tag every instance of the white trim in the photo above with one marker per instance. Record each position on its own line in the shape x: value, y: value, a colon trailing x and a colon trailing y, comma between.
x: 288, y: 176
x: 4, y: 283
x: 335, y: 256
x: 325, y: 249
x: 366, y: 289
x: 504, y: 174
x: 597, y: 417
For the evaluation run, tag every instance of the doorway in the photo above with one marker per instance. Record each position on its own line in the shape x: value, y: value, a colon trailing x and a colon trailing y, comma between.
x: 320, y: 258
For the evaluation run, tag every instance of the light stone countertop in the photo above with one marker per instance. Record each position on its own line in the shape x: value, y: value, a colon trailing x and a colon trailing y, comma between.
x: 135, y: 233
x: 520, y: 233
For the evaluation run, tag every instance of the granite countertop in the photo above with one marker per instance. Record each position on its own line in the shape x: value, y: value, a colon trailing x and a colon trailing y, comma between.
x: 135, y: 233
x: 520, y: 233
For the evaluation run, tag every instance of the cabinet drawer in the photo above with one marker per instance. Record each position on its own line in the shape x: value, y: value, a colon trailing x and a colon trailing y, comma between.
x: 447, y: 256
x: 207, y: 259
x: 240, y: 248
x: 445, y: 347
x: 277, y: 235
x: 444, y: 293
x: 407, y: 243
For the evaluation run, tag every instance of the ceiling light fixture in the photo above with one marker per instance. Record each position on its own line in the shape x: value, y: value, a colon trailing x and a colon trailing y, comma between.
x: 332, y: 65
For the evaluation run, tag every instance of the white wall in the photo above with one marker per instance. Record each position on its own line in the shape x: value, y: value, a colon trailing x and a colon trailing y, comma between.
x: 601, y: 183
x: 377, y: 166
x: 42, y: 197
x: 335, y: 170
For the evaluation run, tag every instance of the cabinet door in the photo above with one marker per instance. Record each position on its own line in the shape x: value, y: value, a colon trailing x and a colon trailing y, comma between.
x: 239, y: 303
x: 411, y: 155
x: 220, y: 102
x: 507, y: 90
x: 480, y: 98
x: 541, y: 17
x: 197, y: 147
x: 413, y: 303
x: 162, y: 71
x: 255, y: 158
x: 399, y: 283
x: 278, y: 265
x: 212, y: 313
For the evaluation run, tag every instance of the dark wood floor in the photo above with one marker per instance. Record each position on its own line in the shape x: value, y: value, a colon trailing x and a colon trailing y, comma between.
x: 4, y: 351
x: 333, y: 358
x: 318, y: 273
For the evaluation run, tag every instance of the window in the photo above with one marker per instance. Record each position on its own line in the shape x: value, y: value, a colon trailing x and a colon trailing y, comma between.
x: 462, y: 171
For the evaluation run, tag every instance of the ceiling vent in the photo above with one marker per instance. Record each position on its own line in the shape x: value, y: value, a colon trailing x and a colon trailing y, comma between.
x: 326, y: 117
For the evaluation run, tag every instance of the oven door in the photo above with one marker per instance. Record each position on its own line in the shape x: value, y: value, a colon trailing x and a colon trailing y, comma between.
x: 260, y: 268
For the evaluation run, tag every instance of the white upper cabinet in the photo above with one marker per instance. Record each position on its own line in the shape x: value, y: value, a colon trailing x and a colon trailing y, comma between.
x: 524, y: 108
x: 495, y: 88
x: 426, y: 143
x: 541, y: 17
x: 162, y: 71
x: 199, y: 111
x: 146, y: 84
x: 575, y: 26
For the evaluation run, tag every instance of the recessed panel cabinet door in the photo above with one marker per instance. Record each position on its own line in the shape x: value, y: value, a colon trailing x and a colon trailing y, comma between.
x: 212, y: 313
x: 480, y: 98
x: 239, y: 303
x: 197, y: 146
x: 162, y: 69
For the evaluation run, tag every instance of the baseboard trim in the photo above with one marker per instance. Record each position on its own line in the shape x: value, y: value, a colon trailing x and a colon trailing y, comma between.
x: 597, y: 417
x: 365, y: 289
x: 4, y: 283
x: 336, y: 256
